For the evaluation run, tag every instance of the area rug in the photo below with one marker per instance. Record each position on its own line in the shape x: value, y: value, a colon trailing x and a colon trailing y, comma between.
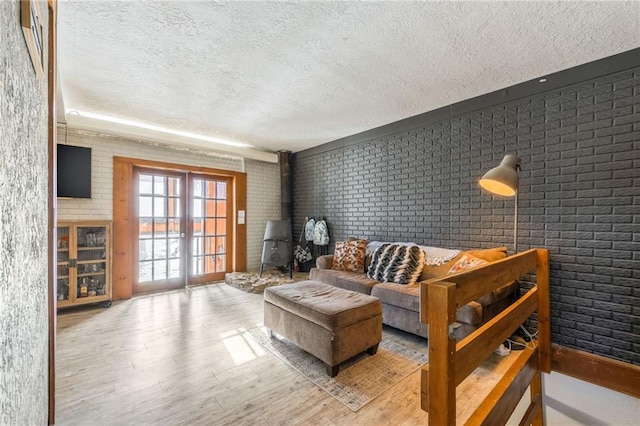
x: 252, y: 282
x: 360, y: 379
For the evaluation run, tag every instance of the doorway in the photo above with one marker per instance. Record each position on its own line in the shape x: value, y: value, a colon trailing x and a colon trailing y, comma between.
x: 232, y: 251
x: 166, y: 209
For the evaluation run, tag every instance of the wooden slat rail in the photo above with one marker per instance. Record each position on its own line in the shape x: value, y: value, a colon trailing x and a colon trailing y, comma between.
x: 451, y: 363
x: 477, y: 347
x: 503, y: 399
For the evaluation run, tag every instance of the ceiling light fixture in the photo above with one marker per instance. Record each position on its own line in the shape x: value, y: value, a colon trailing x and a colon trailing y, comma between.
x: 158, y: 128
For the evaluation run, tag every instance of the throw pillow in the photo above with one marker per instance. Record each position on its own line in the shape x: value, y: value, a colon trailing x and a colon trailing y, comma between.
x: 395, y: 263
x: 349, y: 255
x: 466, y: 262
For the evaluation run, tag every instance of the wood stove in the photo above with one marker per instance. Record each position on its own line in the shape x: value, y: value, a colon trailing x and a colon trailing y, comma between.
x: 277, y: 249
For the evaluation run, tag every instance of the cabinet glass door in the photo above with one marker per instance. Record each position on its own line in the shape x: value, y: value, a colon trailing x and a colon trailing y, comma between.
x: 63, y: 278
x: 91, y: 265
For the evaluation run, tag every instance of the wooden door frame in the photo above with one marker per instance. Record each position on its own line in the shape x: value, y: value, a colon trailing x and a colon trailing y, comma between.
x: 124, y: 216
x: 52, y: 11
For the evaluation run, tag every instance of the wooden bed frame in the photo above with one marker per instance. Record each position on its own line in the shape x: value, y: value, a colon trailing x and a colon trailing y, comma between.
x: 450, y: 362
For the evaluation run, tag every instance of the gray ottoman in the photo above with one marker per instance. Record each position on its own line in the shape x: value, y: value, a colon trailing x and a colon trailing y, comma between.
x: 330, y: 323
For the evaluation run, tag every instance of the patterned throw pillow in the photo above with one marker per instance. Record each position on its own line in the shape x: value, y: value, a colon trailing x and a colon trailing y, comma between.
x: 349, y: 255
x: 466, y: 262
x: 395, y: 263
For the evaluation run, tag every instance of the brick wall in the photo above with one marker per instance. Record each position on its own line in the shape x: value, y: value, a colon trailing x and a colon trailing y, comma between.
x: 579, y: 197
x: 104, y: 148
x: 263, y: 183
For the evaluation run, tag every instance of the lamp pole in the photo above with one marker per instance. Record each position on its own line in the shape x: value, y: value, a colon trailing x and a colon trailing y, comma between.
x: 515, y: 225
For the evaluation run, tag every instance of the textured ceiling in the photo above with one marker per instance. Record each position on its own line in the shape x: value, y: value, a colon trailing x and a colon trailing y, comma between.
x: 292, y: 75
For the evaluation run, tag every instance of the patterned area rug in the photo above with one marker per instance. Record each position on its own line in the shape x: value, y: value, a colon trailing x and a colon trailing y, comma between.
x: 360, y: 379
x: 252, y: 282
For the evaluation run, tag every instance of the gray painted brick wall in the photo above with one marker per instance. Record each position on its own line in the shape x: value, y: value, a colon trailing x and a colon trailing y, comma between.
x: 579, y: 197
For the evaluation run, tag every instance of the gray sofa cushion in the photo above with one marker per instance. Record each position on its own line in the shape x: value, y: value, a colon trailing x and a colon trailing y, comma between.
x: 407, y: 297
x: 354, y: 281
x: 400, y: 295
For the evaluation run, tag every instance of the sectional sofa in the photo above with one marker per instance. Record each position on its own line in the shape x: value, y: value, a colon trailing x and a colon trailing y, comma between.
x: 401, y: 303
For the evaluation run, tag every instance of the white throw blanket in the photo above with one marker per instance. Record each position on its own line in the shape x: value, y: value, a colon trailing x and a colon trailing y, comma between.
x: 434, y: 256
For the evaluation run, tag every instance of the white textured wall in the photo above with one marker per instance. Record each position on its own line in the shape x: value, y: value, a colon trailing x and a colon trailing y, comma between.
x: 263, y: 203
x: 103, y: 149
x: 263, y: 181
x: 24, y: 315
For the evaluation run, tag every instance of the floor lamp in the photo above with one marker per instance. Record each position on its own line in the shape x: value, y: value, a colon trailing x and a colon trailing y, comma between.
x: 503, y: 180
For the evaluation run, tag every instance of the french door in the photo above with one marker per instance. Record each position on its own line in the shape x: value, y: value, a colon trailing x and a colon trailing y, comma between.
x: 161, y: 230
x: 210, y: 216
x: 183, y: 224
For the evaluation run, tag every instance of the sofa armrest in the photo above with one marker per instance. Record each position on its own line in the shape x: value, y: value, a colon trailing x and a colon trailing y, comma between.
x: 324, y: 262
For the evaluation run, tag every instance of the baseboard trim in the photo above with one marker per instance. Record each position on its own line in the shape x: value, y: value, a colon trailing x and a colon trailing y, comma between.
x: 598, y: 370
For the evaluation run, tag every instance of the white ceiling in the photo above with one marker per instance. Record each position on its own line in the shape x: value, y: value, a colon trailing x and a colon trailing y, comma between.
x: 292, y: 75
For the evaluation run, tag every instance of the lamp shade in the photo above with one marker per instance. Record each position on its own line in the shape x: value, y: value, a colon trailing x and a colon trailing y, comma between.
x: 503, y: 180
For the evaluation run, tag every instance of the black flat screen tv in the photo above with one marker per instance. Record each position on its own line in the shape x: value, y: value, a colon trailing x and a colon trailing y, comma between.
x: 74, y: 171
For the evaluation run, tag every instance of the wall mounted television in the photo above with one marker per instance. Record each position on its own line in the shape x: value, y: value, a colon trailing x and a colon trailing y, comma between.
x: 73, y: 171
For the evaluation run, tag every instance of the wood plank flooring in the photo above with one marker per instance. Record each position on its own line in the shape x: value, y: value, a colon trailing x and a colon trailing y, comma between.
x: 181, y: 358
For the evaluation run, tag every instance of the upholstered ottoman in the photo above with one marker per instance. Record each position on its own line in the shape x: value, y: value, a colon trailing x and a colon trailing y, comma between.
x: 330, y: 323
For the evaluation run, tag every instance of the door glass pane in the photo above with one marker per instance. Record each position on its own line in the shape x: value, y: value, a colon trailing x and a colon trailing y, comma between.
x: 174, y: 187
x: 145, y: 250
x: 174, y: 227
x: 197, y: 208
x: 159, y: 270
x: 145, y: 228
x: 211, y: 189
x: 209, y: 264
x: 197, y: 246
x: 197, y: 188
x: 209, y: 252
x: 220, y: 263
x: 198, y: 226
x: 221, y: 208
x: 220, y: 247
x: 174, y: 268
x: 197, y: 265
x: 210, y: 226
x: 221, y: 188
x: 174, y: 207
x: 159, y: 228
x: 221, y: 226
x: 160, y: 250
x: 160, y: 185
x: 159, y: 207
x: 210, y: 208
x: 146, y: 209
x: 144, y: 272
x: 145, y: 184
x: 174, y: 248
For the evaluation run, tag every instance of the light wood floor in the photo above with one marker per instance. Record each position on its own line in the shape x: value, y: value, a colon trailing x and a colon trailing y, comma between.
x: 180, y: 358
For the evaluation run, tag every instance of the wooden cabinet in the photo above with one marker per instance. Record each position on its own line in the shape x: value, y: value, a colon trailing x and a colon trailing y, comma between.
x: 83, y: 263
